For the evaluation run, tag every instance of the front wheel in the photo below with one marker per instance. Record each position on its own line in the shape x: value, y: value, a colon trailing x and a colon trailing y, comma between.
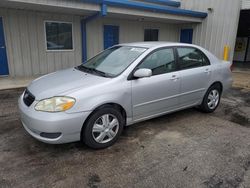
x: 103, y: 128
x: 211, y: 99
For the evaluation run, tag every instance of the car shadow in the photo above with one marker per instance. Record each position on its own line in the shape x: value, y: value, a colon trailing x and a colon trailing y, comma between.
x: 130, y: 132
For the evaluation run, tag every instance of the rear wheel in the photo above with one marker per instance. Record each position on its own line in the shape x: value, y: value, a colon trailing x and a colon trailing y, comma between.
x: 211, y: 99
x: 103, y: 128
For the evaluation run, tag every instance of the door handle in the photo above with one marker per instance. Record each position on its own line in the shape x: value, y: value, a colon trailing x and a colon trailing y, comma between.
x: 2, y: 47
x: 174, y: 77
x: 207, y: 71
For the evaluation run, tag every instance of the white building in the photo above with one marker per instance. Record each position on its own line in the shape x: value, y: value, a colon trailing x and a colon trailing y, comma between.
x: 42, y: 36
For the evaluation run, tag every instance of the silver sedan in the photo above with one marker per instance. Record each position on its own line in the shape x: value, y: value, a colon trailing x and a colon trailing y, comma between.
x: 120, y: 86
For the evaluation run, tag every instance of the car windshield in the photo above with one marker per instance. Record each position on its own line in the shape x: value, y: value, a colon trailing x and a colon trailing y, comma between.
x: 112, y: 61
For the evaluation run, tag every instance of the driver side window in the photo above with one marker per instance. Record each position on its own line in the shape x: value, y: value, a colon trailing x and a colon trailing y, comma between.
x: 160, y: 62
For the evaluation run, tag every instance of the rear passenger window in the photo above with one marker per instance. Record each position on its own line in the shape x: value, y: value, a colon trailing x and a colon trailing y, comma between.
x: 160, y: 62
x: 191, y: 58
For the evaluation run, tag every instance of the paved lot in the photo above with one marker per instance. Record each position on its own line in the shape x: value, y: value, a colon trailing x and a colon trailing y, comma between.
x: 184, y: 149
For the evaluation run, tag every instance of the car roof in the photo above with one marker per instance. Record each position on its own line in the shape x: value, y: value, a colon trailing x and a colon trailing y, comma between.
x: 156, y: 44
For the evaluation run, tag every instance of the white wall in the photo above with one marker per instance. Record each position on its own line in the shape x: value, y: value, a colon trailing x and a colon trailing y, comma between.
x: 26, y: 46
x: 245, y: 4
x: 130, y: 31
x: 25, y: 36
x: 216, y: 31
x: 219, y: 28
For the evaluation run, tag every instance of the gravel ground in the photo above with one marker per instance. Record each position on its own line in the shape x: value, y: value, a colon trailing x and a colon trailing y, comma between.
x: 183, y: 149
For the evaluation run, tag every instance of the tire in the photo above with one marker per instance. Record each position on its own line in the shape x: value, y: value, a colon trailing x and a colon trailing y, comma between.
x: 211, y: 99
x: 103, y: 128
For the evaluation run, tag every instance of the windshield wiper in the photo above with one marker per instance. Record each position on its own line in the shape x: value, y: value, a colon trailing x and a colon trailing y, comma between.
x: 102, y: 73
x: 84, y: 69
x: 93, y: 70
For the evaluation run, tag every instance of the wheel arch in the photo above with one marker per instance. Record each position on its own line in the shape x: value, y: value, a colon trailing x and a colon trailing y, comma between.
x: 214, y: 83
x: 111, y: 104
x: 217, y: 83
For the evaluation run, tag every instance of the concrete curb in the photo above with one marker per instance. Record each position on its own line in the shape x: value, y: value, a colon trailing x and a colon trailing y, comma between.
x: 14, y: 83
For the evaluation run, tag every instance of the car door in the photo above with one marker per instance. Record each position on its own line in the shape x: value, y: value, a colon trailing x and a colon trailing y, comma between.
x: 195, y: 75
x: 159, y: 93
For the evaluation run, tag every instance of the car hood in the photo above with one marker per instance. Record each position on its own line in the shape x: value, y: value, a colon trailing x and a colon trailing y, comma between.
x: 63, y: 81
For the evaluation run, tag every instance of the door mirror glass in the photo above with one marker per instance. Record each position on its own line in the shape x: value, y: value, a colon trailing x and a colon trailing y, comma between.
x: 142, y: 73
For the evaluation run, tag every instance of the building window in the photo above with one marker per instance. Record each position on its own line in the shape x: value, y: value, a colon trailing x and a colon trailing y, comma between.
x: 59, y: 36
x: 151, y: 34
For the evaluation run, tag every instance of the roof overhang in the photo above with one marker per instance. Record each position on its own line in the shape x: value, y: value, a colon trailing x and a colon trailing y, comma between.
x: 146, y: 10
x: 164, y: 2
x: 139, y: 15
x: 82, y: 9
x: 139, y: 5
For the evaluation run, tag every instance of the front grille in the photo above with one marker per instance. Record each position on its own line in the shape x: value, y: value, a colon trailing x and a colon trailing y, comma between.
x: 28, y: 98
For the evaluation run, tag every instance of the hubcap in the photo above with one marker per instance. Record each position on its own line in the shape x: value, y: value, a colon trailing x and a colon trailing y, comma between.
x: 105, y: 128
x: 213, y: 99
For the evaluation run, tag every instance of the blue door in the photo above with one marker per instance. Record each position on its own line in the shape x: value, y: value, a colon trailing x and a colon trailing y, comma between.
x: 4, y: 70
x: 186, y: 36
x: 110, y: 35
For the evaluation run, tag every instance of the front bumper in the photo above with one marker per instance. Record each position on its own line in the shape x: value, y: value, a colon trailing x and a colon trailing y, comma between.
x: 68, y: 124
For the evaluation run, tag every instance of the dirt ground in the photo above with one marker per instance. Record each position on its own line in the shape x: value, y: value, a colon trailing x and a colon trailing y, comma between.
x: 184, y: 149
x: 241, y: 79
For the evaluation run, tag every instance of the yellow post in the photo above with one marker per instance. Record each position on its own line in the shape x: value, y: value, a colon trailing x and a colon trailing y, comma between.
x: 226, y: 53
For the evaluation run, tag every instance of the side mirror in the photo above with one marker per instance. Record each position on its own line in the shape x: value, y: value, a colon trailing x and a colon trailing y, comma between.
x: 142, y: 73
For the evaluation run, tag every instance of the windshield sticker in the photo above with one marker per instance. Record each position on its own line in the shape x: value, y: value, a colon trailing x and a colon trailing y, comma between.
x: 138, y: 50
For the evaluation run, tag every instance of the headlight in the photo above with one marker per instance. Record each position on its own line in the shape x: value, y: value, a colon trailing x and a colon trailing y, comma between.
x: 55, y: 104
